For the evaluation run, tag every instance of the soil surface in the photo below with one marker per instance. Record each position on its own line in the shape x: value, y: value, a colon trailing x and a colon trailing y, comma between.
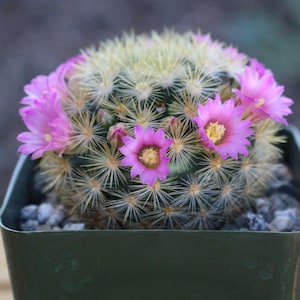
x: 36, y: 36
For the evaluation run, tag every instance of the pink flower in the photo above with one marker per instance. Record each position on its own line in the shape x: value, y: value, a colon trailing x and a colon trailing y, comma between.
x: 259, y: 67
x: 234, y: 54
x: 67, y: 68
x: 49, y: 127
x: 261, y: 95
x: 202, y: 38
x: 55, y: 82
x: 36, y: 89
x: 146, y: 154
x: 58, y: 80
x: 222, y: 129
x: 205, y: 39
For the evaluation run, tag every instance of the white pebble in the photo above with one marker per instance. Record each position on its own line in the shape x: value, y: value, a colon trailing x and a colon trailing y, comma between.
x: 44, y: 212
x: 43, y: 227
x: 74, y: 226
x: 290, y: 212
x: 256, y: 222
x: 281, y: 223
x: 29, y: 212
x: 56, y: 217
x: 29, y: 225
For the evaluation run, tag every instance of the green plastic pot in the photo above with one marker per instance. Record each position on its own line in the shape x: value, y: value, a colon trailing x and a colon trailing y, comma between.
x: 146, y: 264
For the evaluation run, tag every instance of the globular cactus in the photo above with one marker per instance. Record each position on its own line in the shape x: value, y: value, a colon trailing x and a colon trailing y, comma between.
x: 155, y: 131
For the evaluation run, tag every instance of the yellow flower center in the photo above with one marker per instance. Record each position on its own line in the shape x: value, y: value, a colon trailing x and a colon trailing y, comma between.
x: 215, y: 131
x: 149, y: 157
x: 48, y: 137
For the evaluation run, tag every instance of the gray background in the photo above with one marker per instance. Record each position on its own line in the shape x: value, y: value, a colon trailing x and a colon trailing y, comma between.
x: 37, y: 35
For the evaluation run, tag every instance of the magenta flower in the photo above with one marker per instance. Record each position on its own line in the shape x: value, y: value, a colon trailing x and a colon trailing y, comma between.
x: 222, y: 129
x: 261, y: 95
x: 146, y: 154
x: 49, y: 127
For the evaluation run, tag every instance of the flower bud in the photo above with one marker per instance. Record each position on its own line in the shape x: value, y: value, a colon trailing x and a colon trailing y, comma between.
x: 115, y: 135
x: 170, y: 123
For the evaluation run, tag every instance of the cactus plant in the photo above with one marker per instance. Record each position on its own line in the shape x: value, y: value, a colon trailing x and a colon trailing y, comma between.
x: 163, y: 131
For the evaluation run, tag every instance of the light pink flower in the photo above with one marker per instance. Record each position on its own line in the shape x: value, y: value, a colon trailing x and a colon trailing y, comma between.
x: 49, y: 127
x: 146, y: 154
x: 58, y: 80
x: 205, y: 39
x: 234, y: 54
x: 261, y: 95
x: 55, y: 82
x: 202, y: 38
x: 36, y: 89
x: 259, y: 67
x: 222, y: 129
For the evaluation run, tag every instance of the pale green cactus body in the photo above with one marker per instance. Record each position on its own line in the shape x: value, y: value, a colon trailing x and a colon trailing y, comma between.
x: 156, y: 81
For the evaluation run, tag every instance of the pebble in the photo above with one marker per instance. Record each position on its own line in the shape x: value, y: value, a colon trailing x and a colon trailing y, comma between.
x: 289, y: 212
x: 29, y: 212
x: 256, y: 222
x: 57, y: 216
x: 281, y: 223
x: 74, y: 226
x: 282, y: 201
x: 29, y: 225
x: 43, y: 227
x: 44, y: 212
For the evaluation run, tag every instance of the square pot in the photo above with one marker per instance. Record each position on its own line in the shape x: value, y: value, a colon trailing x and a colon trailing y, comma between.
x: 148, y: 264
